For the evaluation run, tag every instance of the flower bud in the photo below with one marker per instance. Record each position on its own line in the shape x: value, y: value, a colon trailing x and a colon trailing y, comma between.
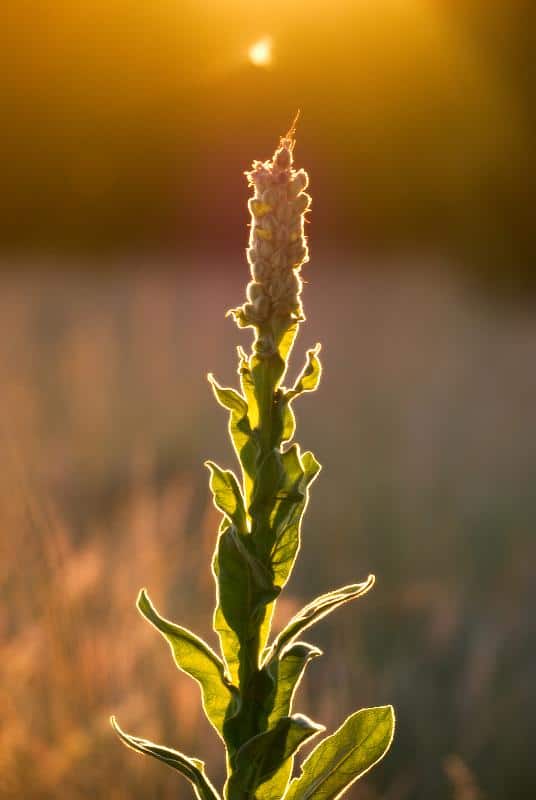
x: 299, y: 182
x: 254, y: 291
x: 283, y: 157
x: 264, y: 233
x: 297, y: 253
x: 258, y: 208
x: 262, y: 306
x: 270, y: 197
x: 260, y: 271
x: 292, y: 283
x: 302, y: 203
x: 264, y: 249
x: 277, y: 244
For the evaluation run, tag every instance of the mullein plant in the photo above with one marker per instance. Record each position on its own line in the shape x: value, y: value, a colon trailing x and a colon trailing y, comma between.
x: 247, y: 692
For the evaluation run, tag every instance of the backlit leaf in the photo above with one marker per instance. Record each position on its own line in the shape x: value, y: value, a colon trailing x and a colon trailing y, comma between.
x: 339, y: 760
x: 269, y: 754
x: 191, y: 768
x: 309, y: 378
x: 316, y: 610
x: 227, y: 495
x: 243, y: 439
x: 286, y: 673
x: 228, y: 398
x: 289, y: 516
x: 245, y: 589
x: 193, y: 656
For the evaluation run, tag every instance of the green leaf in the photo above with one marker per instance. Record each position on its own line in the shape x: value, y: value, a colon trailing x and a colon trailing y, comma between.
x: 309, y: 378
x: 193, y: 656
x: 311, y: 467
x: 340, y: 759
x: 227, y: 495
x: 269, y: 754
x: 315, y: 611
x: 279, y: 501
x: 285, y: 342
x: 290, y: 494
x: 245, y: 589
x: 286, y: 673
x: 243, y: 439
x: 277, y: 536
x: 280, y: 498
x: 268, y: 482
x: 307, y: 381
x: 248, y: 388
x: 289, y: 422
x: 268, y: 696
x: 228, y: 398
x: 289, y: 512
x: 191, y: 768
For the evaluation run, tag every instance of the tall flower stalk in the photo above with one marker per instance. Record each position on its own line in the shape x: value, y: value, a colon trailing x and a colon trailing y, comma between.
x: 247, y: 692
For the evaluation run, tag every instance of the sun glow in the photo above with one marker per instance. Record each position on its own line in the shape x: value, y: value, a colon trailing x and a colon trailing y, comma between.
x: 260, y: 53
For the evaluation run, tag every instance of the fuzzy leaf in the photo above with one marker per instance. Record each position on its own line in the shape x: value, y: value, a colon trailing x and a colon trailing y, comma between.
x: 311, y: 467
x: 286, y: 341
x: 193, y: 656
x: 227, y: 495
x: 269, y: 693
x: 289, y: 513
x: 243, y: 439
x: 289, y: 495
x: 269, y: 480
x: 228, y: 398
x: 340, y: 759
x: 289, y: 422
x: 315, y: 611
x: 307, y: 381
x: 278, y: 540
x: 248, y: 388
x: 309, y: 378
x: 191, y: 768
x: 245, y: 589
x: 265, y: 755
x: 286, y: 673
x: 280, y: 499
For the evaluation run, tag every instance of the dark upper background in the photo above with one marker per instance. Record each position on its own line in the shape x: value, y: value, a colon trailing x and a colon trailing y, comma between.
x: 127, y: 125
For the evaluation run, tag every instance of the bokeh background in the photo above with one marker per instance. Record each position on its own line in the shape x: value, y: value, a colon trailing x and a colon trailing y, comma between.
x: 126, y: 129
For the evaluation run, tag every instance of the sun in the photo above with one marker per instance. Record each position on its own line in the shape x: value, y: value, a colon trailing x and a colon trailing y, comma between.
x: 260, y: 52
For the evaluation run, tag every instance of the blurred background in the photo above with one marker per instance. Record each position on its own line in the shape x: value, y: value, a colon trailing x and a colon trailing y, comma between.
x: 126, y: 129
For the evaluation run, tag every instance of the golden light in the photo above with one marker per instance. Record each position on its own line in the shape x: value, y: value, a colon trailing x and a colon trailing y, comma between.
x: 260, y: 53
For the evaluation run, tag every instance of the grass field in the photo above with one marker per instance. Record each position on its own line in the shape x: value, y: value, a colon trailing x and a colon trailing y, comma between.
x: 429, y: 482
